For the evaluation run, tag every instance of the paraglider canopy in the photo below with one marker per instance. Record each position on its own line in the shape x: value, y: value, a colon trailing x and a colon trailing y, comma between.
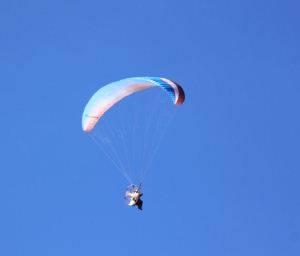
x: 110, y: 94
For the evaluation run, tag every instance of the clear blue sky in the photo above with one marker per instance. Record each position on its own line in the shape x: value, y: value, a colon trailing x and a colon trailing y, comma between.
x: 231, y: 178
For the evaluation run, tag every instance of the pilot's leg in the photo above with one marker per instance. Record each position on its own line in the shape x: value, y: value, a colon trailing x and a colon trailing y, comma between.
x: 139, y: 204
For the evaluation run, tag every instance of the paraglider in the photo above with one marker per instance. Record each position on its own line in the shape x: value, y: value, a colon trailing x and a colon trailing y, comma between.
x: 133, y: 196
x: 132, y: 143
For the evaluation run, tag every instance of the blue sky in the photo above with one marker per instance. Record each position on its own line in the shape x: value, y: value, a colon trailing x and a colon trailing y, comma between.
x: 230, y: 176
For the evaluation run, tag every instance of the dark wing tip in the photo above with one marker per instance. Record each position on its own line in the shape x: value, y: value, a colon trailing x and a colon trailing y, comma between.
x: 181, y: 94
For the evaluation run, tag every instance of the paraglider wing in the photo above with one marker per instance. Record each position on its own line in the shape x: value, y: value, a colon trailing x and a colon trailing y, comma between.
x: 110, y: 94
